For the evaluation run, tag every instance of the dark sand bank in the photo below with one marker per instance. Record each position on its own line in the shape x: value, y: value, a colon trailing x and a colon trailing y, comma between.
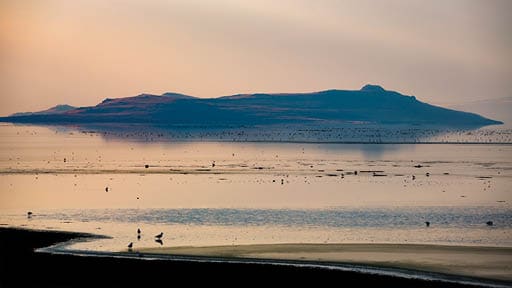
x: 494, y: 263
x: 21, y: 267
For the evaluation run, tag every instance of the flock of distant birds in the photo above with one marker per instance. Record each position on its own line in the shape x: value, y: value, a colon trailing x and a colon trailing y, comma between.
x: 342, y: 134
x: 158, y: 237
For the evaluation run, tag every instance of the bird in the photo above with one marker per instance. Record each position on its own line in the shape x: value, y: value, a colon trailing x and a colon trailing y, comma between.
x: 489, y: 223
x: 159, y: 235
x: 159, y: 241
x: 130, y: 246
x: 138, y: 230
x: 106, y: 189
x: 427, y: 223
x: 29, y: 214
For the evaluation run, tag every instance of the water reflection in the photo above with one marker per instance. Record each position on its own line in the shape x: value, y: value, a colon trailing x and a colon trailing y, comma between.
x: 76, y: 179
x: 366, y: 133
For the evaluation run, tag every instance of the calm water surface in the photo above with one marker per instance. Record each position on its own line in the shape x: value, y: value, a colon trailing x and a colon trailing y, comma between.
x: 218, y: 193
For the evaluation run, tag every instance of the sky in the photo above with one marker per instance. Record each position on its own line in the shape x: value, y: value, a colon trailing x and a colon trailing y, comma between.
x: 82, y: 51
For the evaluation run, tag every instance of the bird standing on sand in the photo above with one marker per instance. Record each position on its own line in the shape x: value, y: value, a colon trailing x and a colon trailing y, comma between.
x: 130, y: 246
x: 29, y: 214
x: 427, y: 223
x: 159, y: 236
x: 138, y: 230
x: 489, y: 223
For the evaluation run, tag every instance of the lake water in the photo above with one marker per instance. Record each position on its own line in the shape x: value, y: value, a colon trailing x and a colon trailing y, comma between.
x: 223, y: 193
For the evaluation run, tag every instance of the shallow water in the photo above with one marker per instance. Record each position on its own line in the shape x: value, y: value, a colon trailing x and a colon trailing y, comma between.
x: 217, y: 193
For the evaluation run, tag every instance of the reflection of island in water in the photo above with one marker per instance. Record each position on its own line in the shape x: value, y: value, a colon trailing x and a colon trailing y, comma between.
x: 360, y: 134
x: 377, y: 138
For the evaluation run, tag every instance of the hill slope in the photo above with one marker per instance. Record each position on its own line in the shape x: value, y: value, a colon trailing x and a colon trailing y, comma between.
x: 371, y: 104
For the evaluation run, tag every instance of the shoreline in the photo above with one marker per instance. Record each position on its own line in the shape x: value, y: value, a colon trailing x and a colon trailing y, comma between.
x: 74, y: 263
x: 494, y: 263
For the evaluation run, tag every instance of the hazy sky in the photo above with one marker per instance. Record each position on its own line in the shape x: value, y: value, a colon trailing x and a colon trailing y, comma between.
x: 80, y: 52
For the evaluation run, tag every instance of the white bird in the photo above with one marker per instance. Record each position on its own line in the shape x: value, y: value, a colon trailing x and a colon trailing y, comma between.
x: 159, y: 235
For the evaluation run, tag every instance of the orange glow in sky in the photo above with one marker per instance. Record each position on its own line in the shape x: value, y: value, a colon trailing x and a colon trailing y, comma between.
x: 80, y: 52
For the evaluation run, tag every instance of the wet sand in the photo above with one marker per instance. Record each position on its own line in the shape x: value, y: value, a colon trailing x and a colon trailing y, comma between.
x: 21, y: 267
x: 485, y: 262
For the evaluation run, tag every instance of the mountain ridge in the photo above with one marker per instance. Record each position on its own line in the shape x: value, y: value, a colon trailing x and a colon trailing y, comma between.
x: 53, y: 110
x: 370, y: 104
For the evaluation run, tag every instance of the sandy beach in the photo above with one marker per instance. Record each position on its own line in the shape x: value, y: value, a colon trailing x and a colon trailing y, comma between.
x: 22, y: 267
x: 484, y: 262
